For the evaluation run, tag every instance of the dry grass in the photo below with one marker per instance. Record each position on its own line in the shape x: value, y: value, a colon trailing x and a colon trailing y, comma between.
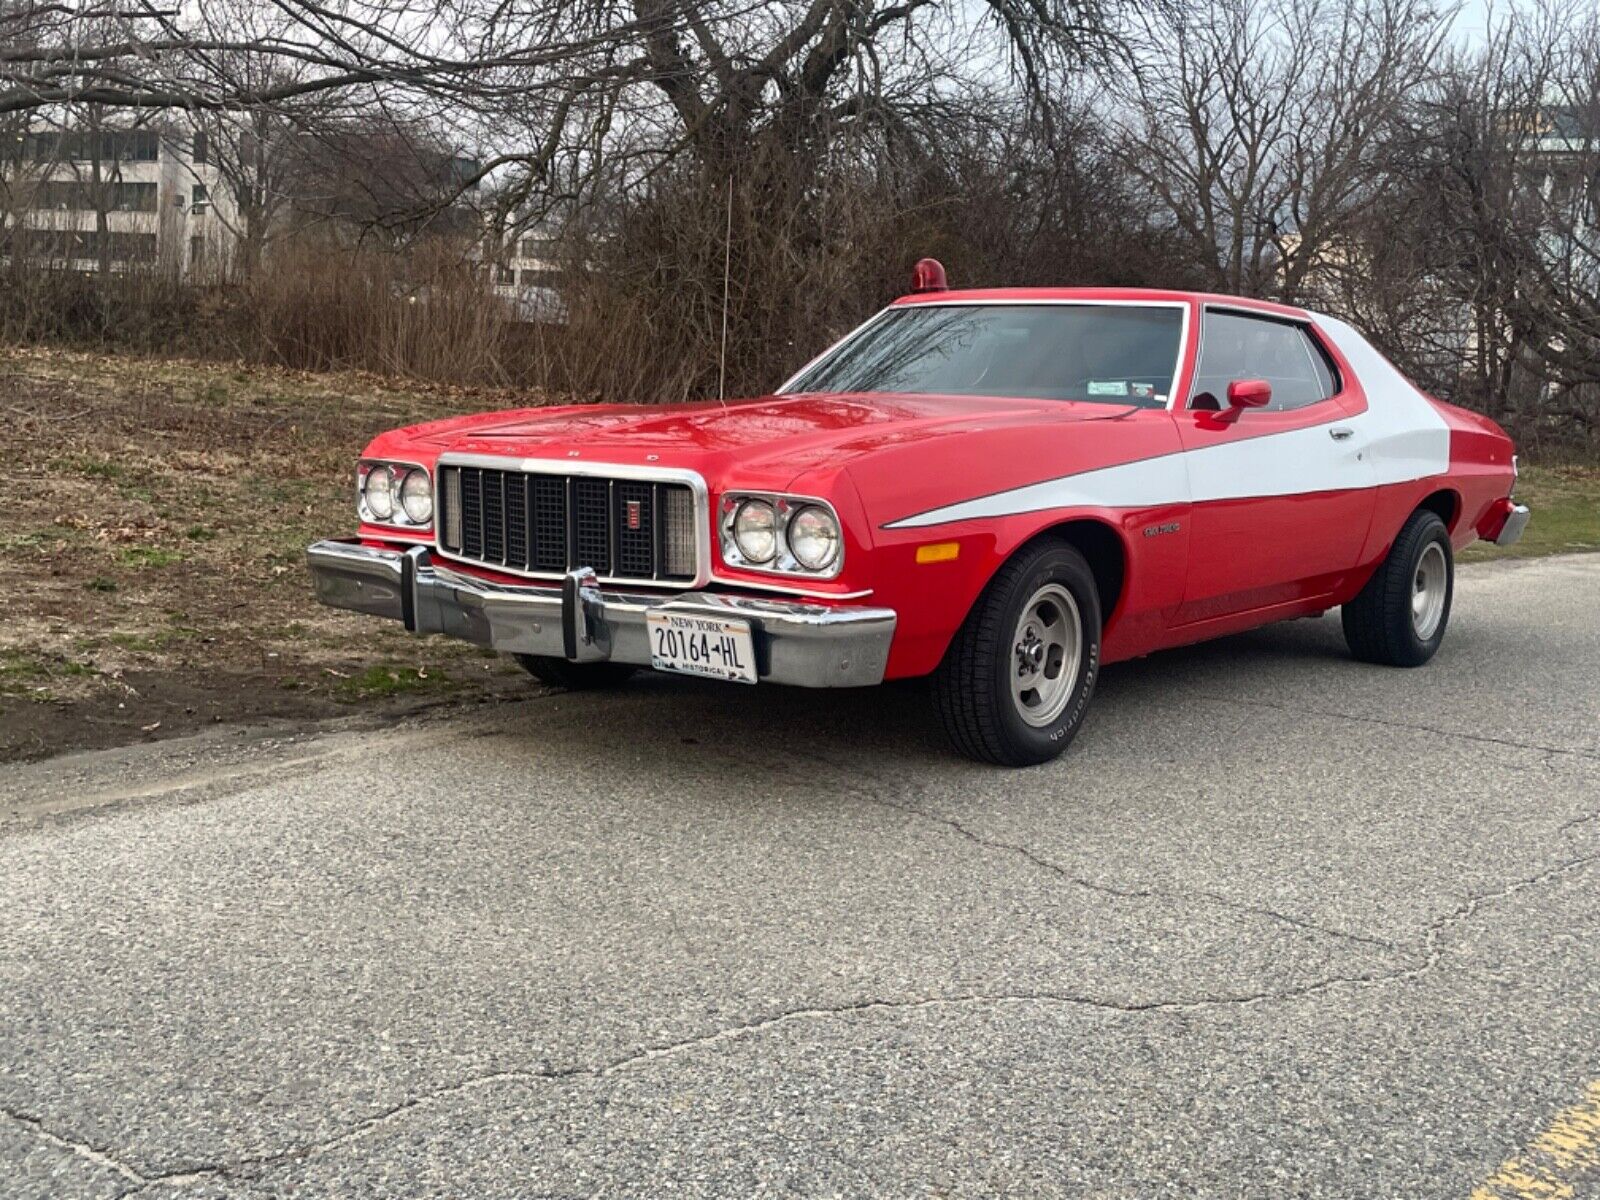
x: 152, y: 557
x: 1565, y: 500
x: 427, y: 317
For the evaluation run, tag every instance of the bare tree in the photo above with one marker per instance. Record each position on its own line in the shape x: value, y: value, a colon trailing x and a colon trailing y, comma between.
x: 1262, y: 128
x: 132, y: 54
x: 1485, y: 266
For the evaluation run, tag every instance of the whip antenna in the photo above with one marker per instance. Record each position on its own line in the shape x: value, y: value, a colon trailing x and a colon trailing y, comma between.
x: 727, y: 263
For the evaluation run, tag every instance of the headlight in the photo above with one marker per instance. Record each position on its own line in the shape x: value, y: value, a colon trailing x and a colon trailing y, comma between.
x: 814, y: 538
x: 755, y: 531
x: 378, y: 492
x: 395, y: 493
x: 416, y: 497
x: 773, y: 533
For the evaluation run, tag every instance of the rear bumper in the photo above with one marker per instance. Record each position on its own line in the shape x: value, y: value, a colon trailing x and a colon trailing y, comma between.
x: 807, y: 645
x: 1504, y: 522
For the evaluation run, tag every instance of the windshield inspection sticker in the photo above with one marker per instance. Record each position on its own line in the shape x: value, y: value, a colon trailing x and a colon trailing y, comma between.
x: 1108, y: 387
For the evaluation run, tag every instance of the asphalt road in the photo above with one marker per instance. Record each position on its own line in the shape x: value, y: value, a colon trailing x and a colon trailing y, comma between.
x: 1279, y: 925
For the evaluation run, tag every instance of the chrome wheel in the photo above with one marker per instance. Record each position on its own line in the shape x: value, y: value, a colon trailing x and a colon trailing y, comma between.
x: 1428, y: 589
x: 1045, y: 654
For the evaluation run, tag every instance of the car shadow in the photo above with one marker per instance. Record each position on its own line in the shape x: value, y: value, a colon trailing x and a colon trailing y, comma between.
x: 897, y: 721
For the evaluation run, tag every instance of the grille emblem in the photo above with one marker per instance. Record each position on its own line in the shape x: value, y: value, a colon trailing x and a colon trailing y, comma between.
x: 635, y: 515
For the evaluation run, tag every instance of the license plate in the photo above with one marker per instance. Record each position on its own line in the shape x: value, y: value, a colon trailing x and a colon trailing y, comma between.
x: 708, y: 646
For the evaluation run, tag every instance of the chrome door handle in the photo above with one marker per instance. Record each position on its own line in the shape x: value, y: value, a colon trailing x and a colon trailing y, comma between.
x: 1339, y: 433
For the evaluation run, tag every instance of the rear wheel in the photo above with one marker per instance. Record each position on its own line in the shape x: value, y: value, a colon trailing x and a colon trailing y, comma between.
x: 1016, y: 682
x: 574, y: 677
x: 1399, y: 618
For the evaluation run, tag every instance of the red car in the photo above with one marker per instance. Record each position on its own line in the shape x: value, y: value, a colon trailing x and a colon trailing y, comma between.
x: 1001, y: 489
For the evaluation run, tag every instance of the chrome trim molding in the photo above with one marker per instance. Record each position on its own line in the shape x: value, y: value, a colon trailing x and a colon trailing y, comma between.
x: 785, y: 388
x: 805, y: 645
x: 572, y: 466
x: 1516, y: 521
x: 756, y: 585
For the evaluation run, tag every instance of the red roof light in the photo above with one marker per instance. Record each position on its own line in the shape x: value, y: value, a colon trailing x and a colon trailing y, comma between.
x: 928, y: 276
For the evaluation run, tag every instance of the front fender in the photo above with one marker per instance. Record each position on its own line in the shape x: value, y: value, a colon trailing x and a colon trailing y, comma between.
x: 994, y: 490
x: 933, y: 597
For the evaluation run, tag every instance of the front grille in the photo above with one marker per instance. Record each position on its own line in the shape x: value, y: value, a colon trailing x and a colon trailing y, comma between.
x: 550, y: 524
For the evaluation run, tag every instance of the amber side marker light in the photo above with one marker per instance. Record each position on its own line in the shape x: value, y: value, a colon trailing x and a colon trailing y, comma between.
x: 938, y: 552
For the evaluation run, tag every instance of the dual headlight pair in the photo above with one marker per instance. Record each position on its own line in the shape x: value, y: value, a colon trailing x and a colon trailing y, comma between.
x: 791, y: 534
x: 394, y: 493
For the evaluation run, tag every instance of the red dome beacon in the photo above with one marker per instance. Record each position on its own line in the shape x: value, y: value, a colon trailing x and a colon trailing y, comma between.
x: 928, y: 276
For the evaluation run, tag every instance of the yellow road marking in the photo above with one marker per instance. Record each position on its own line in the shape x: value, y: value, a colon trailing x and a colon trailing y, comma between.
x: 1568, y: 1148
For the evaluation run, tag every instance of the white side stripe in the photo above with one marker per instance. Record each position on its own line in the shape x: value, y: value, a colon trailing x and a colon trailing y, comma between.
x: 1405, y: 436
x: 1400, y: 437
x: 1142, y: 484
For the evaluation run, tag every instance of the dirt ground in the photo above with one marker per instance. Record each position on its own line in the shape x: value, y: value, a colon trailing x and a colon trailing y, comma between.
x: 152, y: 576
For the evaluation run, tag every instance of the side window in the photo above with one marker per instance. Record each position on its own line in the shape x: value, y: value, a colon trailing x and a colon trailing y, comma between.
x: 1234, y: 346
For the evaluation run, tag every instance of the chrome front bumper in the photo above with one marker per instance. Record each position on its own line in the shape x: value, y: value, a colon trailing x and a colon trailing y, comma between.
x: 808, y: 645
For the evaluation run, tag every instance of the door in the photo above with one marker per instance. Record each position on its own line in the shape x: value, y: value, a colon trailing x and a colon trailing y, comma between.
x: 1282, y: 493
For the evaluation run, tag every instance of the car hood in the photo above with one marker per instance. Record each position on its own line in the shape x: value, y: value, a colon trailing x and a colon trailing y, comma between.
x: 790, y: 434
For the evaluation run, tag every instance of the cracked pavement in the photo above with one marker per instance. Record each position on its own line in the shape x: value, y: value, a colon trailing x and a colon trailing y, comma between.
x: 1279, y: 925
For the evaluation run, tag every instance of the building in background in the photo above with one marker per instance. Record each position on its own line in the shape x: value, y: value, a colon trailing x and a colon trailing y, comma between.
x: 111, y: 199
x: 1561, y: 165
x: 215, y: 196
x: 527, y: 274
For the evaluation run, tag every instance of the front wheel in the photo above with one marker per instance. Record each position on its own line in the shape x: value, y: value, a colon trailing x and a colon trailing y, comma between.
x: 1017, y: 679
x: 1399, y: 618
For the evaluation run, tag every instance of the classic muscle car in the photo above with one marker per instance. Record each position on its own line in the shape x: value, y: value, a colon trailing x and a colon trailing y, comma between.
x: 1000, y: 489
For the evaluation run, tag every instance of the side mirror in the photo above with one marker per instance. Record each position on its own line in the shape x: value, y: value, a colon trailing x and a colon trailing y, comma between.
x: 1249, y: 393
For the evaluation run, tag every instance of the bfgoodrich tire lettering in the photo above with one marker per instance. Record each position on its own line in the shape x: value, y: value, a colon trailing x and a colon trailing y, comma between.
x: 985, y: 715
x: 1399, y: 618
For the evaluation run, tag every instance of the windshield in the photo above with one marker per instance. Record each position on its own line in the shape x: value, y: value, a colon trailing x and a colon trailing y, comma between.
x: 1100, y: 353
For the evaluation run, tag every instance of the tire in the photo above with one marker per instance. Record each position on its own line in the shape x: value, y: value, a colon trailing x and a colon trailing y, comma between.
x: 1399, y: 618
x: 982, y: 711
x: 575, y: 677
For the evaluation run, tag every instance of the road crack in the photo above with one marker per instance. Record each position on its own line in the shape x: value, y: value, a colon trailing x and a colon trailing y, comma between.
x: 1195, y: 896
x: 92, y: 1154
x: 1182, y: 895
x: 1569, y: 826
x: 1550, y: 752
x: 667, y: 1051
x: 255, y: 1165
